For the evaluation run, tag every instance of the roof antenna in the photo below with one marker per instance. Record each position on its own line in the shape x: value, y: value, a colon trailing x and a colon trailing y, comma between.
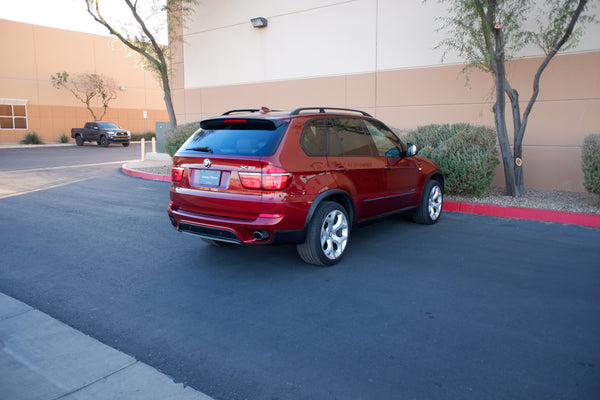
x: 264, y: 110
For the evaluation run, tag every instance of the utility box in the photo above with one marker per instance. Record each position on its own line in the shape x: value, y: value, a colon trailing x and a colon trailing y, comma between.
x: 161, y: 128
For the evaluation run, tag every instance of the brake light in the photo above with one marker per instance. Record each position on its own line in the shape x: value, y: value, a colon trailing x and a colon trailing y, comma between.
x: 270, y: 178
x: 176, y: 174
x: 274, y: 178
x: 235, y: 121
x: 250, y: 180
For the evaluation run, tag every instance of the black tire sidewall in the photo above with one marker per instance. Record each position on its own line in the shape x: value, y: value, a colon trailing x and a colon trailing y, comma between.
x: 312, y: 246
x: 422, y: 215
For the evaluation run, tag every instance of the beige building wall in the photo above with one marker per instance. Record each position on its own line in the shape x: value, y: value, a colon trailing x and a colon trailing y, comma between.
x: 34, y: 53
x: 378, y: 55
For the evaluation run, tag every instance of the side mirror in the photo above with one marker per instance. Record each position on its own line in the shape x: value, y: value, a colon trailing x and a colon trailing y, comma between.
x: 411, y: 150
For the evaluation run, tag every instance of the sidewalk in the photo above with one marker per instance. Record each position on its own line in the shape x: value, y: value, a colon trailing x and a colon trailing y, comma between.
x: 42, y: 358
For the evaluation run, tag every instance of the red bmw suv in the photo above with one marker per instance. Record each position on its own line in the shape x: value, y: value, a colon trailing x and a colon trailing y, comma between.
x: 304, y: 177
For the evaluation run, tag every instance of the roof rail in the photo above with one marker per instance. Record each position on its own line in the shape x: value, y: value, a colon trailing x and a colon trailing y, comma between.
x: 322, y: 110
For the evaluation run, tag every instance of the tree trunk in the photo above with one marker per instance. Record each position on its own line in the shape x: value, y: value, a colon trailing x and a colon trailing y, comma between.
x: 513, y: 95
x: 500, y: 113
x: 164, y: 74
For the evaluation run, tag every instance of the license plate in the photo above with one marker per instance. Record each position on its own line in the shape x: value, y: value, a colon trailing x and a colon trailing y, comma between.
x: 206, y: 177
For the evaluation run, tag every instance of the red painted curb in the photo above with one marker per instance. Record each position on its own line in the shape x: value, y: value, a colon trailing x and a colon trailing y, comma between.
x: 524, y: 213
x: 145, y: 175
x: 562, y: 217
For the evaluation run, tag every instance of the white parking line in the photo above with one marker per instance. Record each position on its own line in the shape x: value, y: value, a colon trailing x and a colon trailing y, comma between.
x: 62, y: 167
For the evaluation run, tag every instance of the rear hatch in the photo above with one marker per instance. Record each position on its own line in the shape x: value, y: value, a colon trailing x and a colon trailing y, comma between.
x: 221, y: 166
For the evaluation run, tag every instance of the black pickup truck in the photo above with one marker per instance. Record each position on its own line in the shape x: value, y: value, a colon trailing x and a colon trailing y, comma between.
x: 102, y: 133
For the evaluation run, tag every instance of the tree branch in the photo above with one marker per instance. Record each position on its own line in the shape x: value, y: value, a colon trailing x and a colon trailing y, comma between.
x: 536, y: 81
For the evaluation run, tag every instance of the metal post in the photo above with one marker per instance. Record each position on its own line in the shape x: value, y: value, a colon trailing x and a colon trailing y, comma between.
x: 154, y: 145
x: 143, y: 149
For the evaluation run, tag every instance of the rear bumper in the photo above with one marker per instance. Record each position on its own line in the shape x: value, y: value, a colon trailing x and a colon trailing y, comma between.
x: 231, y: 230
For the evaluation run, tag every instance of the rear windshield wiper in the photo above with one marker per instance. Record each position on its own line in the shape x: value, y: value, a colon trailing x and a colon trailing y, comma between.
x: 202, y: 149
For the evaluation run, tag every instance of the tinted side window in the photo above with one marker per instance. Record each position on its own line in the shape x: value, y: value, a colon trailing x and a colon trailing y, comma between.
x: 384, y: 139
x: 354, y: 139
x: 313, y: 137
x: 334, y: 145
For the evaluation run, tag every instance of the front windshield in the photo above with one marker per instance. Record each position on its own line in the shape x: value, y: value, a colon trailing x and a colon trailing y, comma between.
x: 107, y: 125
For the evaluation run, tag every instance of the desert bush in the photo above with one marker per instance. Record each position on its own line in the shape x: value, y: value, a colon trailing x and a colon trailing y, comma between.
x: 64, y: 138
x: 466, y: 153
x: 174, y: 138
x: 590, y: 163
x: 136, y: 137
x: 32, y: 138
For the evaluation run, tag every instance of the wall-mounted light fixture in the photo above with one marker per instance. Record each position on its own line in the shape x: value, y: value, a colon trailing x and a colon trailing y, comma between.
x: 259, y: 22
x: 122, y: 88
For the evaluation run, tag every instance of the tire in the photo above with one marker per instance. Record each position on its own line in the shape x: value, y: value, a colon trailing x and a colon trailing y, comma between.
x: 103, y: 141
x: 430, y: 208
x: 327, y: 235
x: 78, y: 140
x: 125, y: 144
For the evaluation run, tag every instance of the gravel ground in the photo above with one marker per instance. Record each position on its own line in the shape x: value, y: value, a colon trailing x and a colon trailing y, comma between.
x: 560, y: 200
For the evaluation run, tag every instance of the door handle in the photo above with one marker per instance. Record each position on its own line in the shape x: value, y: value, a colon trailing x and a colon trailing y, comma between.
x: 340, y: 169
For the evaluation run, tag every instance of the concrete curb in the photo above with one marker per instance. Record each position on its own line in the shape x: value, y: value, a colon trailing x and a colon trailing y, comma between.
x: 43, y: 358
x: 144, y: 175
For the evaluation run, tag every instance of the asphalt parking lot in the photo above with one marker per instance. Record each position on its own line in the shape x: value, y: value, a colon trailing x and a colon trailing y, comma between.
x: 473, y: 307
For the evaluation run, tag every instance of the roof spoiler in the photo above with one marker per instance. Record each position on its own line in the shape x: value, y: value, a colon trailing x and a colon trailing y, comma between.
x: 262, y: 110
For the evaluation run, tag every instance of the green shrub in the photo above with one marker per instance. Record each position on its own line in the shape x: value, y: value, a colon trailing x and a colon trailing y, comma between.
x: 136, y: 137
x: 466, y: 154
x: 32, y: 138
x: 590, y: 163
x: 174, y: 138
x: 64, y: 138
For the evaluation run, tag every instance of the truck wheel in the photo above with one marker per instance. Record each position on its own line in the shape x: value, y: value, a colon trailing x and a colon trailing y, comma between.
x: 103, y: 141
x: 126, y: 144
x: 78, y: 140
x: 327, y: 235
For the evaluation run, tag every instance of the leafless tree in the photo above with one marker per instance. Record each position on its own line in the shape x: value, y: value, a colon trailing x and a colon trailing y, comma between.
x: 89, y: 89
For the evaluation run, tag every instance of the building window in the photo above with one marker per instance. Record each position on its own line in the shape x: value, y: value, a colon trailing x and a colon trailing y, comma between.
x: 13, y: 114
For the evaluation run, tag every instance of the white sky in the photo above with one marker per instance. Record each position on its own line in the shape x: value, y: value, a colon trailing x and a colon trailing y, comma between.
x: 64, y: 14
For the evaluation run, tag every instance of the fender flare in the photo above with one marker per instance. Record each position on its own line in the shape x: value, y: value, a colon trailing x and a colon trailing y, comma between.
x: 340, y: 196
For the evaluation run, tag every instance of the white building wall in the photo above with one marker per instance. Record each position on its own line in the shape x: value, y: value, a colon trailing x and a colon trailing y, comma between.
x: 315, y: 38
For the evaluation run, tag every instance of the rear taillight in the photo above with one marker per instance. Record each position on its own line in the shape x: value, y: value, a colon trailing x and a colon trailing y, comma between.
x: 274, y: 178
x: 270, y: 178
x: 176, y: 174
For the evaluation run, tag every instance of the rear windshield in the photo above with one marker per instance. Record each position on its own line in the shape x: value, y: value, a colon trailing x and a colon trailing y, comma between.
x: 244, y: 137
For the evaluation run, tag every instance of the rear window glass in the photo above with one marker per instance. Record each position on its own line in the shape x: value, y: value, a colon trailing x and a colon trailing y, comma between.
x: 245, y: 137
x: 313, y: 137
